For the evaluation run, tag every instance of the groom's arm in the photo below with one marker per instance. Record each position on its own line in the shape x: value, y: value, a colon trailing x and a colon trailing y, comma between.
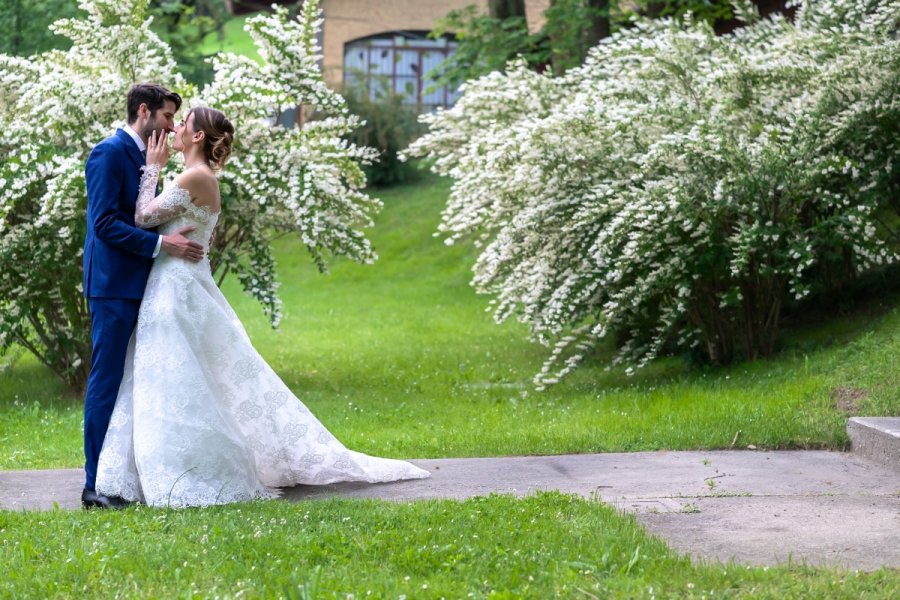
x: 104, y: 180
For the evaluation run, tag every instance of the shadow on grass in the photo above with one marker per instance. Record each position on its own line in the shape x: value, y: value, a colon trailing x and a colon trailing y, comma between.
x: 809, y: 331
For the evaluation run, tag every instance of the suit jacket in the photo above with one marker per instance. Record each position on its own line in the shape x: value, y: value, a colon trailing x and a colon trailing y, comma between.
x: 117, y: 255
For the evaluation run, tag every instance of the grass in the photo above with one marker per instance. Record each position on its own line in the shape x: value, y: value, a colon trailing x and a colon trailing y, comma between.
x: 234, y: 39
x: 545, y: 546
x: 400, y: 359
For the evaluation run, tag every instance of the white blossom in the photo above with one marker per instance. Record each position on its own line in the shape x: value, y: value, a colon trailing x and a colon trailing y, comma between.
x: 642, y: 194
x: 55, y: 106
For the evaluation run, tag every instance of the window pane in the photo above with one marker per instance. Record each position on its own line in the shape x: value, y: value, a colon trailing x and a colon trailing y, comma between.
x: 355, y: 58
x: 400, y: 62
x: 381, y: 61
x: 409, y: 87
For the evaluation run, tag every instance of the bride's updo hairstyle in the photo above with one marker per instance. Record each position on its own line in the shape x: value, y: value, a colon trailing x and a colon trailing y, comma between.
x: 219, y: 134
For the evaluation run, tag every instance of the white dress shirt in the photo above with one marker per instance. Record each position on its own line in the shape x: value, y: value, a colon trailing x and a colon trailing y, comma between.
x: 143, y: 148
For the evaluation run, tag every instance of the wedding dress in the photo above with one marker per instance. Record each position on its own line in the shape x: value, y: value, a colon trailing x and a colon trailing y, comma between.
x: 200, y: 417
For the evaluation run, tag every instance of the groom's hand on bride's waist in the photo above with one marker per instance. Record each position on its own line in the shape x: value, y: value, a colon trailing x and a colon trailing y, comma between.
x: 180, y: 246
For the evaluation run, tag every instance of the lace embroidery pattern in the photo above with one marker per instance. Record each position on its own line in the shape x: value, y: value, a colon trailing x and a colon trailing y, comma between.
x: 201, y: 418
x: 152, y: 210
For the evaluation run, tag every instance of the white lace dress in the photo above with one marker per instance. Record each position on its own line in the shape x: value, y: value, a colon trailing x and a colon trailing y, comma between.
x: 200, y: 417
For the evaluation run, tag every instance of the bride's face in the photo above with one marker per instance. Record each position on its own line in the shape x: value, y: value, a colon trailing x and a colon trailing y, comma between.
x: 184, y: 134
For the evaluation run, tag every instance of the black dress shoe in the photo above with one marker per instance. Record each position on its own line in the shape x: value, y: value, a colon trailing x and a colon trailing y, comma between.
x: 91, y: 499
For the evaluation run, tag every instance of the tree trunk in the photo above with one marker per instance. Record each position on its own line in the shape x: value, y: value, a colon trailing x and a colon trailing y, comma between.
x: 504, y: 9
x: 556, y: 58
x: 18, y: 17
x: 598, y: 26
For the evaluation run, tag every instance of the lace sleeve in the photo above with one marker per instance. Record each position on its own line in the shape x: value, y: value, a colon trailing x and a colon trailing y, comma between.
x: 152, y: 210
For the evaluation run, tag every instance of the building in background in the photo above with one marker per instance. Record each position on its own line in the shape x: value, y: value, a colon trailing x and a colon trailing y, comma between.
x: 378, y: 43
x: 399, y: 62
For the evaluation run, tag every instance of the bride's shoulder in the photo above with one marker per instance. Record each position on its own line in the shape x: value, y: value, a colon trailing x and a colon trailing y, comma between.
x: 196, y: 176
x: 201, y: 184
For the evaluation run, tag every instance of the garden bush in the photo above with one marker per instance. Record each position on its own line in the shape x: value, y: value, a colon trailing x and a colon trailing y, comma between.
x: 680, y: 189
x: 388, y: 125
x: 56, y: 105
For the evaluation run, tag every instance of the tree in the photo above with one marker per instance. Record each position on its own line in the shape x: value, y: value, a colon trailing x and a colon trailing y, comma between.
x: 487, y: 42
x: 23, y: 25
x: 506, y: 9
x: 681, y: 189
x: 183, y: 25
x: 54, y: 106
x: 598, y: 13
x: 571, y: 28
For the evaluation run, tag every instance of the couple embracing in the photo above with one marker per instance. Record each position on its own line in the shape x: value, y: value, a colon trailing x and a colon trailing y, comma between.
x: 180, y: 409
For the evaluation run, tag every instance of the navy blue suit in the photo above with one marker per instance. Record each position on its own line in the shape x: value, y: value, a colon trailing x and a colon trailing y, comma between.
x: 117, y: 261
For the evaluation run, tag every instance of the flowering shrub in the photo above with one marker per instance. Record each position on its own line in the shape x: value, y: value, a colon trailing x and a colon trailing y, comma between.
x: 304, y: 180
x: 679, y: 189
x: 55, y: 106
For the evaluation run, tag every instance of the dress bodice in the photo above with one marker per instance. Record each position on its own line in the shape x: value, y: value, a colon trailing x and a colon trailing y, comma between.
x: 172, y: 209
x: 200, y: 217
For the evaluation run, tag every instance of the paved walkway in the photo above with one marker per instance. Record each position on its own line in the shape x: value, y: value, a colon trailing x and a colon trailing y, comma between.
x: 754, y: 507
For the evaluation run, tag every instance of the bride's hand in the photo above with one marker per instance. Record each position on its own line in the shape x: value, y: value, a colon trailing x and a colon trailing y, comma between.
x: 158, y: 149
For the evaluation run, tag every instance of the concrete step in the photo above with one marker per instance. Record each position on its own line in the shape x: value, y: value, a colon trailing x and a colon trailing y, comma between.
x: 877, y: 438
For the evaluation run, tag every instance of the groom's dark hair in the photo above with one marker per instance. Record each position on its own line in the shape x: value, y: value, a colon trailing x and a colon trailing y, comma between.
x: 154, y: 96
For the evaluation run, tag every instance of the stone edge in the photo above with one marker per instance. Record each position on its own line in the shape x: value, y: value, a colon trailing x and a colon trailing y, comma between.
x: 872, y: 438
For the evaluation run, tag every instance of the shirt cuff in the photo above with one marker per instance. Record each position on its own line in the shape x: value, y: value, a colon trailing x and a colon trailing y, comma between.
x: 158, y: 247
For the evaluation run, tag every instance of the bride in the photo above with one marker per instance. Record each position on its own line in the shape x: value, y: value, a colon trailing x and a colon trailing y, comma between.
x: 200, y: 417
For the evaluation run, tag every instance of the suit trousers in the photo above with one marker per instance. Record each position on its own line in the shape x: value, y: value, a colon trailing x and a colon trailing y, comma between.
x: 112, y: 323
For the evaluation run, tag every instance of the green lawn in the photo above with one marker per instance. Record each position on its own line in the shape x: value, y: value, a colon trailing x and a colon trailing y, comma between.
x: 545, y: 546
x: 400, y: 359
x: 233, y: 39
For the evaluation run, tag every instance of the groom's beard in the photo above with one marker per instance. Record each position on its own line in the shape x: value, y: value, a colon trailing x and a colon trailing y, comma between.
x: 152, y: 126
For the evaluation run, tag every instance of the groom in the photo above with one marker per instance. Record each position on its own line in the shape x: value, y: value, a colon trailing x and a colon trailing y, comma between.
x: 117, y: 261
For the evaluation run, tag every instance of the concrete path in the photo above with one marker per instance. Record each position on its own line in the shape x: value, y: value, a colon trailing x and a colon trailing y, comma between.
x: 763, y: 508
